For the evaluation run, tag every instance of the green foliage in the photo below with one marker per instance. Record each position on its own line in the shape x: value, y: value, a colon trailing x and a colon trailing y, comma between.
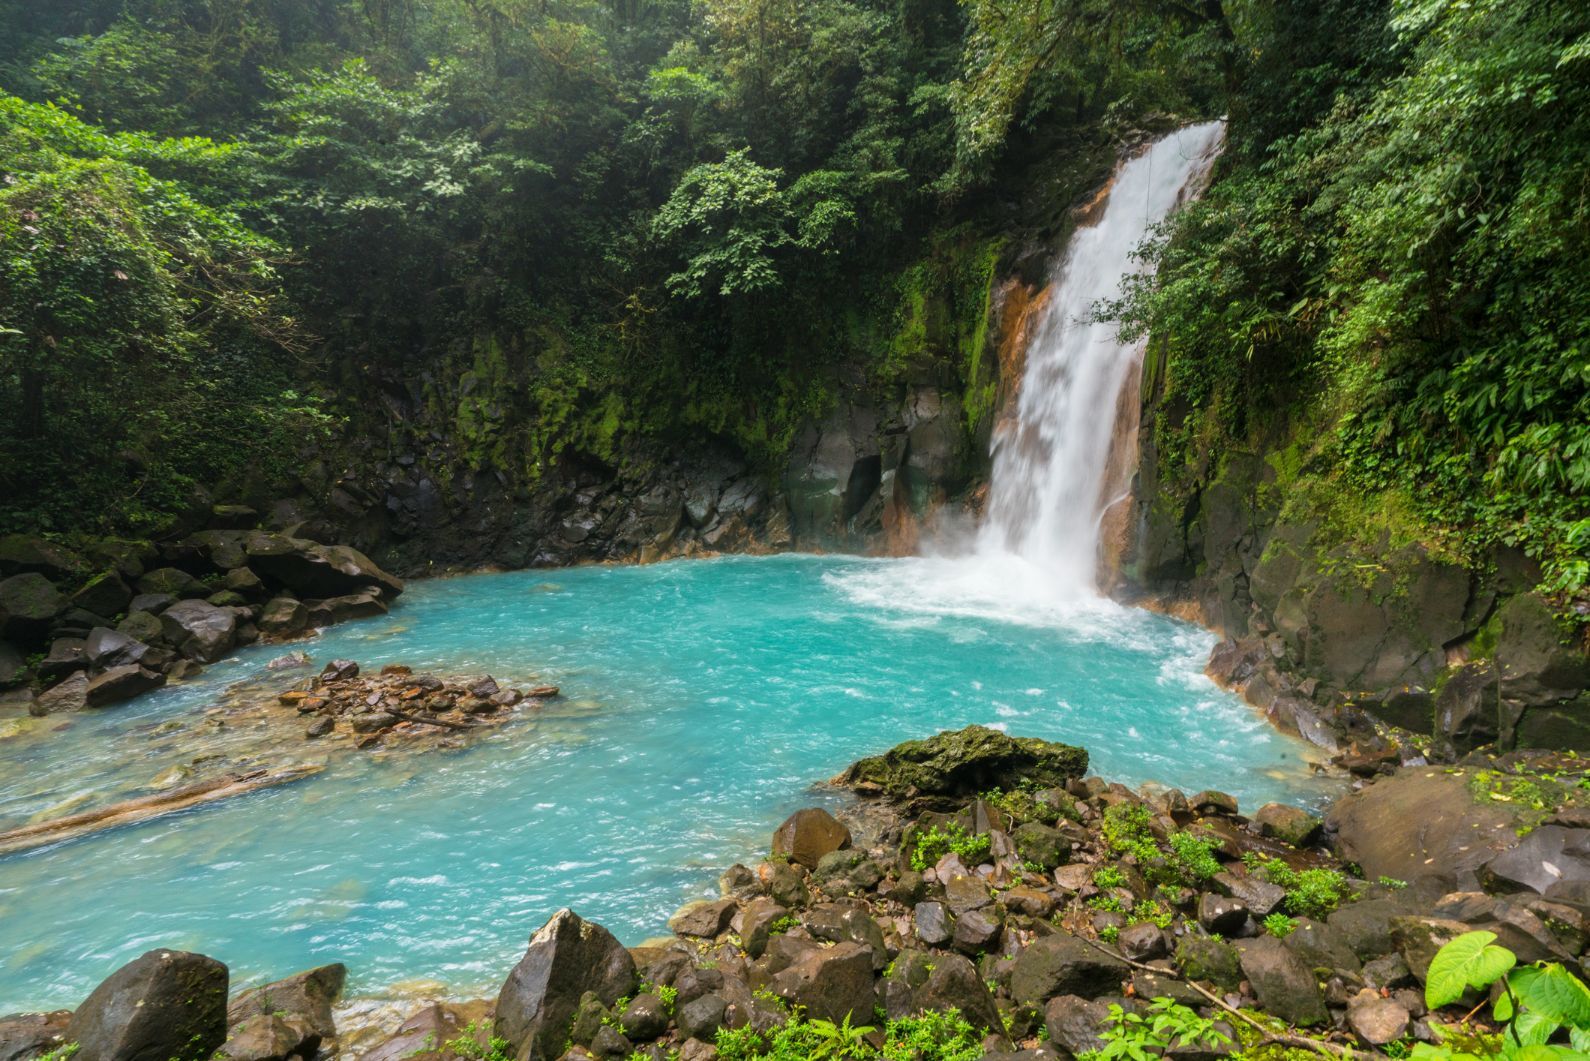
x: 1166, y: 1025
x: 1536, y: 1003
x: 1108, y: 877
x: 932, y: 1036
x: 1313, y: 892
x: 1192, y: 857
x: 1279, y: 925
x: 467, y: 1045
x: 1127, y: 831
x: 935, y: 842
x: 1151, y: 911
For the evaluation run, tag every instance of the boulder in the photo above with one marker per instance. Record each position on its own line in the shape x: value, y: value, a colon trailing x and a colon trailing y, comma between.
x: 756, y: 922
x: 171, y: 580
x: 1375, y: 1020
x: 104, y: 594
x: 954, y: 982
x: 831, y: 983
x: 266, y: 1037
x: 700, y: 1018
x: 164, y: 1006
x: 566, y: 958
x: 1366, y: 926
x: 1143, y: 942
x: 1282, y: 982
x: 313, y: 570
x: 12, y: 664
x: 964, y: 762
x: 934, y: 926
x: 29, y: 1035
x: 1062, y: 964
x: 304, y: 1001
x: 704, y: 919
x: 28, y: 603
x: 1418, y: 938
x: 809, y: 834
x: 1260, y: 896
x: 68, y: 695
x: 154, y: 603
x: 1041, y: 845
x: 977, y: 931
x: 141, y: 626
x: 332, y: 610
x: 105, y: 648
x: 121, y: 683
x: 1547, y: 856
x: 1291, y: 825
x: 1221, y: 915
x: 424, y: 1035
x: 25, y: 554
x: 1205, y: 959
x: 839, y: 923
x: 1074, y: 1024
x: 1322, y: 948
x: 64, y: 657
x: 200, y: 630
x: 645, y: 1017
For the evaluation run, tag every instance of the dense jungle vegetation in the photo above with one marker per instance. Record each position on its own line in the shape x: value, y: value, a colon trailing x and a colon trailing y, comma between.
x: 229, y: 227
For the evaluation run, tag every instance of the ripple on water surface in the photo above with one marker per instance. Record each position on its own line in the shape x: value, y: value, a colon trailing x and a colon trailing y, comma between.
x: 702, y: 699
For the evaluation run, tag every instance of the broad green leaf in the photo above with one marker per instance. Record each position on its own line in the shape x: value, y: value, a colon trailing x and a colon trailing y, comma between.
x: 1532, y: 1029
x: 1471, y: 960
x: 1556, y: 994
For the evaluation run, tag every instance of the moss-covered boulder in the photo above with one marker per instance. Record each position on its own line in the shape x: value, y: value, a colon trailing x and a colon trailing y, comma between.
x: 959, y: 763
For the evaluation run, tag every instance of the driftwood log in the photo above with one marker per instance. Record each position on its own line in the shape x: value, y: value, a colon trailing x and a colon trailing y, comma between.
x: 129, y: 812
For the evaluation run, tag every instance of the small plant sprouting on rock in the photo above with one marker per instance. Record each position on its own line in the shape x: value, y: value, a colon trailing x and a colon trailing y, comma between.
x: 467, y: 1045
x: 1110, y: 933
x: 1148, y: 911
x: 1279, y: 925
x: 1108, y: 877
x: 937, y: 842
x: 60, y: 1053
x: 1142, y: 1036
x: 1392, y: 882
x: 933, y: 1036
x: 1309, y: 893
x: 1193, y: 857
x: 1127, y: 831
x: 783, y: 924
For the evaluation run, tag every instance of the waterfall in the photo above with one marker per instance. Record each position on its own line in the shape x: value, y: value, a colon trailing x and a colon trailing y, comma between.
x: 1049, y: 487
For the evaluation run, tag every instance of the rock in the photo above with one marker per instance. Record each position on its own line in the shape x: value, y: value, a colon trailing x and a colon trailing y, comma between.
x: 702, y: 1017
x: 953, y: 982
x: 29, y: 1035
x: 305, y: 999
x: 1062, y: 964
x: 976, y: 931
x: 12, y: 668
x: 1201, y: 958
x: 1291, y: 825
x: 1029, y: 901
x: 567, y: 957
x: 173, y: 581
x: 312, y: 570
x: 1041, y: 845
x: 104, y: 594
x: 809, y: 834
x: 153, y: 603
x: 28, y: 603
x: 645, y: 1017
x: 200, y: 630
x: 840, y: 923
x: 320, y: 727
x: 1221, y: 915
x: 701, y: 918
x: 69, y: 695
x: 1322, y: 948
x: 933, y: 923
x: 610, y: 1042
x: 1143, y: 942
x: 783, y: 884
x: 1387, y: 971
x: 333, y: 610
x: 1421, y: 826
x: 141, y: 626
x: 106, y: 648
x: 339, y: 670
x: 966, y: 762
x: 121, y: 683
x: 831, y: 983
x: 372, y: 722
x: 1074, y: 1024
x: 23, y: 553
x: 1283, y: 983
x: 1418, y: 938
x: 266, y: 1037
x: 1260, y: 896
x: 283, y: 617
x: 1211, y: 802
x: 166, y: 1005
x: 1365, y: 926
x: 1547, y: 856
x: 1375, y: 1020
x: 964, y: 893
x: 64, y: 657
x: 422, y: 1035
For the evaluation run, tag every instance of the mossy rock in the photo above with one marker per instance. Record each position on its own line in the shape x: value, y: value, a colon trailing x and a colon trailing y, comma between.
x: 959, y: 763
x: 1209, y: 960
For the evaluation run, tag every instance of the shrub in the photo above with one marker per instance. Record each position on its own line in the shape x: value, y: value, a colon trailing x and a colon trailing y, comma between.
x: 935, y: 843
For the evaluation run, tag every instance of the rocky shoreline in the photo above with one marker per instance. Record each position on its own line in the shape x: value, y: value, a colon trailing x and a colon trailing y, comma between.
x: 988, y: 875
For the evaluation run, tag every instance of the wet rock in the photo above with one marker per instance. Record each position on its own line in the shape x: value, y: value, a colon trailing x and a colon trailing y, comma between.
x: 1062, y: 964
x: 104, y: 594
x: 312, y: 570
x: 1291, y: 825
x: 141, y: 626
x: 645, y: 1017
x: 1074, y: 1024
x: 283, y: 617
x: 421, y: 1036
x: 266, y: 1037
x: 27, y: 605
x: 320, y: 727
x: 121, y: 683
x: 339, y: 670
x: 809, y: 834
x: 1221, y: 915
x: 954, y: 982
x: 172, y: 581
x: 329, y: 611
x: 1375, y: 1020
x: 702, y: 1017
x: 965, y: 762
x: 68, y: 695
x: 1202, y: 958
x: 110, y: 648
x: 831, y: 983
x: 1213, y: 802
x: 1547, y: 856
x: 706, y: 919
x: 372, y: 722
x: 29, y: 1035
x: 200, y: 630
x: 756, y: 922
x: 304, y: 999
x: 1283, y: 983
x: 23, y: 553
x: 933, y: 923
x: 1143, y: 942
x: 567, y: 957
x: 167, y: 1004
x: 1260, y: 897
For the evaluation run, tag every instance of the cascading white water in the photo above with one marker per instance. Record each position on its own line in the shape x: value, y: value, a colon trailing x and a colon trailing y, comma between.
x: 1045, y: 497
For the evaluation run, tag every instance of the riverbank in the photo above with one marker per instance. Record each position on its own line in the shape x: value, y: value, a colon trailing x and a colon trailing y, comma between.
x: 989, y: 874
